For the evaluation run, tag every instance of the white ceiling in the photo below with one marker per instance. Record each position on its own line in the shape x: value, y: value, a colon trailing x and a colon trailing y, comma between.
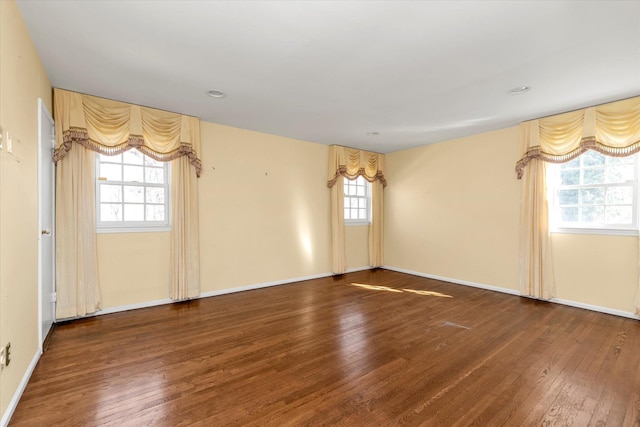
x: 331, y: 71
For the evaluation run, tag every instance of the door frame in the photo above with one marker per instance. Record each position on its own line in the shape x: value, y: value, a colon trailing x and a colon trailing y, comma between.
x: 49, y: 185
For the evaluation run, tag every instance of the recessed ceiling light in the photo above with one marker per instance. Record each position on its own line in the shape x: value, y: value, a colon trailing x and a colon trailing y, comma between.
x: 518, y: 90
x: 214, y: 93
x: 373, y: 133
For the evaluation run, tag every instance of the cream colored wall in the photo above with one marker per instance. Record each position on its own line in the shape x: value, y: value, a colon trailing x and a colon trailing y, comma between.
x: 264, y: 208
x: 356, y: 241
x: 452, y: 210
x: 264, y: 217
x: 133, y: 268
x: 596, y: 270
x: 22, y: 82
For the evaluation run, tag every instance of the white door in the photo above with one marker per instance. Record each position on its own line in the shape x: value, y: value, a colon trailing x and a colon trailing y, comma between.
x: 46, y: 219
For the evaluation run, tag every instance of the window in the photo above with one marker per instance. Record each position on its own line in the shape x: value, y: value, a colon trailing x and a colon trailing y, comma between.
x: 132, y: 193
x: 595, y: 193
x: 357, y: 201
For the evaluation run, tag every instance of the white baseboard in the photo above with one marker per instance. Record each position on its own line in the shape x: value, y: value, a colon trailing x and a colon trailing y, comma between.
x: 353, y: 270
x: 6, y: 417
x: 591, y: 307
x: 131, y: 307
x: 218, y: 292
x: 262, y: 285
x: 597, y: 308
x: 214, y: 293
x: 456, y: 281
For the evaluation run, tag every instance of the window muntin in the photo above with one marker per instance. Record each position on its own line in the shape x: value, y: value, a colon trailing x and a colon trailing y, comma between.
x: 357, y: 201
x: 132, y: 193
x: 594, y: 192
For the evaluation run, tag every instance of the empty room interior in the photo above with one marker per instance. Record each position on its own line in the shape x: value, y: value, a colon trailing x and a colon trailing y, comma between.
x: 358, y: 213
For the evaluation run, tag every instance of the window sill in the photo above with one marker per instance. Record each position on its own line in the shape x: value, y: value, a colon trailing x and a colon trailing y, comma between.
x: 114, y: 230
x: 357, y: 223
x: 598, y: 231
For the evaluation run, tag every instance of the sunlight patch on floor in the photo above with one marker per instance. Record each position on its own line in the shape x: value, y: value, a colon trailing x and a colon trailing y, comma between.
x: 388, y: 289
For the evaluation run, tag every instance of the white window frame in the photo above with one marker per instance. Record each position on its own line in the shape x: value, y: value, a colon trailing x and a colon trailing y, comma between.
x: 553, y: 180
x: 134, y: 226
x: 367, y: 196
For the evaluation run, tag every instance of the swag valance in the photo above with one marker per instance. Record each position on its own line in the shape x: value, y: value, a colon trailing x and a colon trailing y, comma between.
x: 111, y: 127
x: 612, y: 129
x: 351, y: 163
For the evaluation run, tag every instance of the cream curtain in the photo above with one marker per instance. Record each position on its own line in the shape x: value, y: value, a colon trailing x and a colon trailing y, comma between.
x: 77, y: 284
x: 90, y: 124
x: 351, y: 163
x: 337, y: 226
x: 185, y: 246
x: 376, y: 243
x: 612, y: 129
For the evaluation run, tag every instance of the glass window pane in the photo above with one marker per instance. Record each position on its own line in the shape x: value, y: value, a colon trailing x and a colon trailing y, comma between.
x: 155, y: 212
x: 154, y: 175
x: 110, y: 212
x: 570, y: 177
x: 110, y: 193
x: 621, y: 173
x: 354, y: 202
x: 133, y: 194
x: 619, y: 160
x: 111, y: 159
x: 148, y: 161
x: 592, y: 196
x: 362, y: 203
x: 154, y: 195
x: 573, y: 164
x: 362, y: 191
x: 354, y: 213
x: 592, y: 214
x: 134, y: 212
x: 618, y: 215
x: 133, y: 173
x: 353, y: 190
x: 132, y: 157
x: 569, y: 214
x: 592, y: 158
x: 593, y: 176
x: 568, y: 197
x: 111, y: 172
x: 619, y: 195
x: 363, y: 213
x: 346, y: 213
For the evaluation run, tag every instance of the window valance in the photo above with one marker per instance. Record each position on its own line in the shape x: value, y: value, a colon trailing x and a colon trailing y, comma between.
x: 612, y: 129
x: 351, y: 163
x: 111, y: 127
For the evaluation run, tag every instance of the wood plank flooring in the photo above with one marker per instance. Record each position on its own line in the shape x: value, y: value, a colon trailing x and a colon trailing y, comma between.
x: 373, y: 348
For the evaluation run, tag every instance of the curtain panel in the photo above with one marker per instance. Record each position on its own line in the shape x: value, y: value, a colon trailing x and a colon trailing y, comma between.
x: 612, y: 129
x: 350, y: 163
x: 86, y: 124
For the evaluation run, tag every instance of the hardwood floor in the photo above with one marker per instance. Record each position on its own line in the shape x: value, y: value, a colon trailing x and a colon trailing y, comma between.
x: 373, y: 348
